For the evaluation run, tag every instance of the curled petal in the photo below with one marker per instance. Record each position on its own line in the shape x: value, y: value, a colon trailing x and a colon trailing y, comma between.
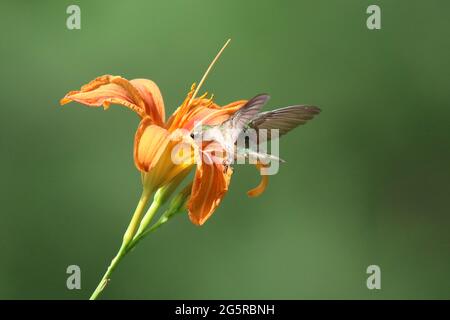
x: 140, y: 95
x: 210, y: 185
x: 258, y: 190
x: 153, y: 100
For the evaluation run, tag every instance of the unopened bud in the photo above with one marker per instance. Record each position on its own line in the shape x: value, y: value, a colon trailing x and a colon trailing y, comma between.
x: 179, y: 202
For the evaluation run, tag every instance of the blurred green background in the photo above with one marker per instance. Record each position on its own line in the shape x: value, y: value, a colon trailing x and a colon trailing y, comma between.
x: 367, y: 182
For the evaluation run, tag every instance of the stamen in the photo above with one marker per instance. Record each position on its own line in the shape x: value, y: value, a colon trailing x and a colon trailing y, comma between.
x: 208, y: 70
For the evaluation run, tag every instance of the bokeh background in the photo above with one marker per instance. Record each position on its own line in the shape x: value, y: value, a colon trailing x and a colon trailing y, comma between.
x: 367, y: 182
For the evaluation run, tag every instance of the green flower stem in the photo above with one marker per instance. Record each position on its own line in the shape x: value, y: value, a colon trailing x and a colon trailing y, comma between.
x: 101, y: 286
x: 128, y: 237
x: 177, y: 205
x: 140, y: 236
x: 131, y: 230
x: 133, y: 237
x: 148, y: 217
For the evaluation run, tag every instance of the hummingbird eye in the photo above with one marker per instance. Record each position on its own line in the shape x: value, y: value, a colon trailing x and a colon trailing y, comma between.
x: 192, y: 135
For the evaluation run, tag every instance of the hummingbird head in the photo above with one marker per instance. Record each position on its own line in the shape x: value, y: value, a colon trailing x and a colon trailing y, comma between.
x: 197, y: 132
x: 205, y: 133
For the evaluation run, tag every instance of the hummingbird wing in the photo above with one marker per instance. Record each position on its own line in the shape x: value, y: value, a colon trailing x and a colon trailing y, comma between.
x: 243, y: 116
x: 283, y: 119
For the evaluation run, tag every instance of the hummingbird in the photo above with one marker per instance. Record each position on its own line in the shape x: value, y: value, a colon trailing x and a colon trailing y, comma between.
x: 250, y: 117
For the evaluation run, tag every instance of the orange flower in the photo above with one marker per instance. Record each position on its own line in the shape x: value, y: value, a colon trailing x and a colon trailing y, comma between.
x: 156, y: 138
x: 154, y: 142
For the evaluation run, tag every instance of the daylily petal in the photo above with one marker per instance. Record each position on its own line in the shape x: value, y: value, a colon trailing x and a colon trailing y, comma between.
x: 210, y: 185
x: 201, y: 109
x: 153, y: 151
x: 140, y: 95
x: 176, y: 117
x: 153, y: 100
x: 258, y: 190
x: 210, y: 114
x: 150, y: 142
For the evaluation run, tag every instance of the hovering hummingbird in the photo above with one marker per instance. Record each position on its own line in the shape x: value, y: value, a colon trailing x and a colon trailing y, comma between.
x: 250, y: 117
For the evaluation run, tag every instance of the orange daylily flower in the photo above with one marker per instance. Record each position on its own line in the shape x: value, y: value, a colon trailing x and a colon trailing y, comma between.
x: 154, y: 143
